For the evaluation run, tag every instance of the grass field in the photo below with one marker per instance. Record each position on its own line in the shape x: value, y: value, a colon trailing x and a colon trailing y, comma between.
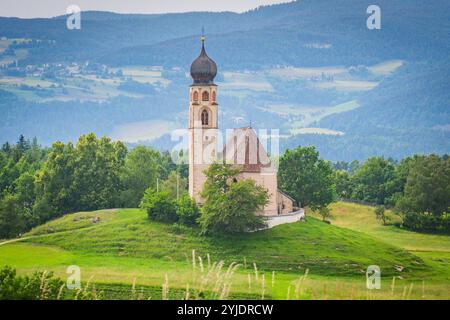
x: 305, y: 260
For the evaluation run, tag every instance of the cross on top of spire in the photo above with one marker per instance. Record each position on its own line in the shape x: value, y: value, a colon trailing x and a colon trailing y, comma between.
x: 203, y: 35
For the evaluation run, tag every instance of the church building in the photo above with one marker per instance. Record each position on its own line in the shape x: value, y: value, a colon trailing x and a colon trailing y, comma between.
x: 242, y: 147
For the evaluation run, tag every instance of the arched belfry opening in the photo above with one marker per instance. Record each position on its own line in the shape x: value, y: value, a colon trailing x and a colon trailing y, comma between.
x: 205, y: 96
x: 205, y: 117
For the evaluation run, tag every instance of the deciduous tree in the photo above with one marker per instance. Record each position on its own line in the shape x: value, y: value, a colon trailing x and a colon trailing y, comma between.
x: 306, y: 178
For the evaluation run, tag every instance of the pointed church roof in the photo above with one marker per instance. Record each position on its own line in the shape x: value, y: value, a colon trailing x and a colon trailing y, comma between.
x: 245, y: 149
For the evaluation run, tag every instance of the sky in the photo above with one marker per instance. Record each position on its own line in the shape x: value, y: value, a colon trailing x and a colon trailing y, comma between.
x: 51, y: 8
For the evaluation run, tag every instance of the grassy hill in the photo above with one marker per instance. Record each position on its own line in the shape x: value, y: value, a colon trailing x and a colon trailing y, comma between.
x: 124, y: 246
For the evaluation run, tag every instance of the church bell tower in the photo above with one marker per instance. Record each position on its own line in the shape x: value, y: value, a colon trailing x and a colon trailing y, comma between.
x: 203, y: 121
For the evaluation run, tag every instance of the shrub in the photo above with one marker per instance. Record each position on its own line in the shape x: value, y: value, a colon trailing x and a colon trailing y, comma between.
x: 187, y: 210
x: 39, y: 286
x: 380, y: 212
x: 159, y: 205
x: 325, y: 213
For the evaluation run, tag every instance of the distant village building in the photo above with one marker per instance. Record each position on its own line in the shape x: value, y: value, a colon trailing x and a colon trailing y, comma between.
x: 242, y: 149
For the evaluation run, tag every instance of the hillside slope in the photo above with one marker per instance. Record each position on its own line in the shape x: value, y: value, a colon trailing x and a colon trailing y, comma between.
x: 125, y: 246
x: 314, y: 245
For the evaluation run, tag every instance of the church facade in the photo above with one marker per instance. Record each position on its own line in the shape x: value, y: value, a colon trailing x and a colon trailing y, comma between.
x: 242, y: 147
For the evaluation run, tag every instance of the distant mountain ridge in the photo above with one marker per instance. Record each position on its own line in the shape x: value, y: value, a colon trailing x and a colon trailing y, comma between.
x: 406, y: 112
x: 341, y: 22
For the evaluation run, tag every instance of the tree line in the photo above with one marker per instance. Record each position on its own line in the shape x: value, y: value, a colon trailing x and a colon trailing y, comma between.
x: 417, y: 188
x: 38, y: 184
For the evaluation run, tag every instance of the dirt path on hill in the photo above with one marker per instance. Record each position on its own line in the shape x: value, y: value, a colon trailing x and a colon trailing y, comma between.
x: 16, y: 240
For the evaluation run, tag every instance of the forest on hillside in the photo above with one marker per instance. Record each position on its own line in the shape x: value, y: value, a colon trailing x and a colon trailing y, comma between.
x: 40, y: 183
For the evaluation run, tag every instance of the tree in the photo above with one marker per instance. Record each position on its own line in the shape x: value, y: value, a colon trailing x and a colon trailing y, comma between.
x: 85, y: 177
x: 97, y: 165
x: 6, y: 147
x: 54, y: 189
x: 140, y: 172
x: 11, y: 218
x: 22, y: 146
x: 306, y: 178
x: 160, y: 206
x: 187, y: 210
x: 343, y: 184
x: 325, y: 213
x: 398, y: 183
x: 175, y: 185
x: 380, y: 212
x: 230, y: 206
x: 425, y: 203
x: 373, y: 181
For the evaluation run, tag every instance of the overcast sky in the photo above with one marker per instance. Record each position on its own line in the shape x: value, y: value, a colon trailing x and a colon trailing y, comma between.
x: 51, y: 8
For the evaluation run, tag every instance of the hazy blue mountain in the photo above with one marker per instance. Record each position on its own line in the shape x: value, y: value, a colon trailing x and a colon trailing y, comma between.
x: 398, y: 112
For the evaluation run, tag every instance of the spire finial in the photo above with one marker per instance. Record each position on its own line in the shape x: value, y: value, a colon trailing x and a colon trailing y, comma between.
x: 203, y: 36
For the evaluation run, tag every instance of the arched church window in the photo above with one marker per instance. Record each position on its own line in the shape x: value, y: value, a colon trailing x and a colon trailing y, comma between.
x: 205, y: 96
x: 204, y: 118
x: 195, y: 95
x: 214, y: 96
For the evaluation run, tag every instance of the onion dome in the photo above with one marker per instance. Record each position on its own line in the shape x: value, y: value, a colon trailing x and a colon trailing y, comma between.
x: 203, y: 69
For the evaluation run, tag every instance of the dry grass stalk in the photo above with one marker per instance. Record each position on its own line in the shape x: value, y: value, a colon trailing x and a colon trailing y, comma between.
x: 212, y: 282
x: 43, y: 288
x: 393, y: 286
x: 193, y: 259
x: 209, y: 260
x: 133, y: 289
x: 263, y: 286
x: 200, y: 262
x: 165, y: 288
x: 256, y: 271
x: 410, y: 291
x: 299, y: 285
x: 404, y: 292
x: 186, y: 296
x: 60, y: 292
x: 288, y: 295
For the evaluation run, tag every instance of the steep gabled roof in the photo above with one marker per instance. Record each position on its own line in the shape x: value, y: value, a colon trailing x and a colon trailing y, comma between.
x: 244, y: 149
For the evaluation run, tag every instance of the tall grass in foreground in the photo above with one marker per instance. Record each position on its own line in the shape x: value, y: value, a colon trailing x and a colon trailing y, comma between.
x: 207, y: 281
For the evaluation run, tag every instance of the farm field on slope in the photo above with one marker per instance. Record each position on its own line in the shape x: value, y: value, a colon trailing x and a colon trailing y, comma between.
x: 125, y: 246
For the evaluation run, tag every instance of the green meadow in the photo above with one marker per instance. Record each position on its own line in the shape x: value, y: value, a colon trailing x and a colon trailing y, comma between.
x: 303, y: 260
